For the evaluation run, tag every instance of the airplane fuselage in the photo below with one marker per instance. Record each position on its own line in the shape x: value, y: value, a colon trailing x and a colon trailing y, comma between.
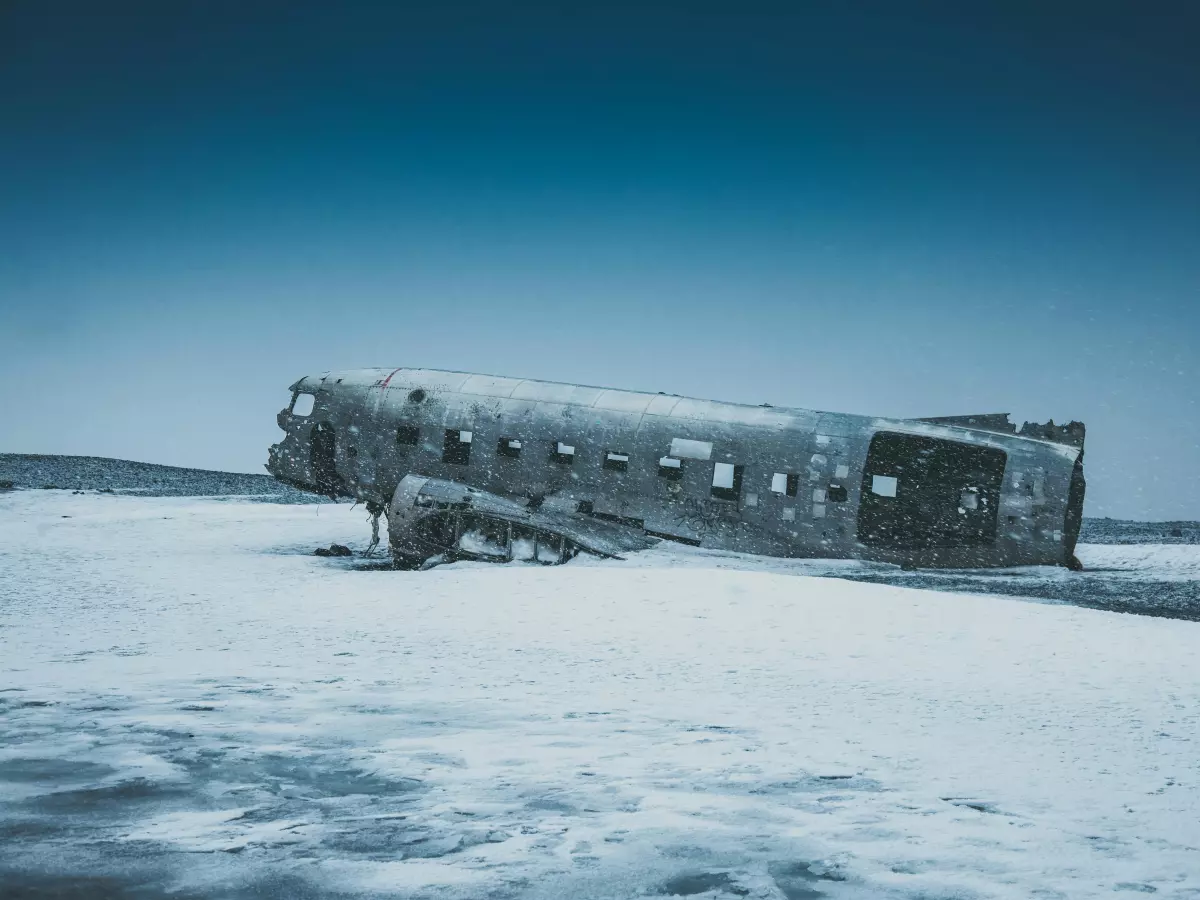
x: 755, y: 479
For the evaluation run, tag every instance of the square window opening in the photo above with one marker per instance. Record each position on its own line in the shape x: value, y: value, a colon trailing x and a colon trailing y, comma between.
x: 456, y: 447
x: 408, y: 435
x: 564, y: 454
x: 837, y: 493
x: 727, y: 481
x: 303, y: 404
x: 615, y: 461
x: 509, y: 447
x: 787, y: 483
x: 670, y: 467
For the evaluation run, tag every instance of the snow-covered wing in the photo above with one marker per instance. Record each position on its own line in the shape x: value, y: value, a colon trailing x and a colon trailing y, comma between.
x: 430, y: 516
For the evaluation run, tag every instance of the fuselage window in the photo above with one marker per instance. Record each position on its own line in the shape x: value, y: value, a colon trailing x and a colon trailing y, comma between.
x: 456, y: 448
x: 615, y: 461
x: 785, y: 483
x: 510, y: 447
x: 727, y: 481
x: 408, y: 435
x: 670, y: 467
x: 564, y: 454
x: 303, y: 405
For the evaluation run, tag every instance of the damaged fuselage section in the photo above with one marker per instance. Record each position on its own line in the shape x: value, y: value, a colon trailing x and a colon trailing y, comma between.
x: 432, y: 520
x: 495, y: 468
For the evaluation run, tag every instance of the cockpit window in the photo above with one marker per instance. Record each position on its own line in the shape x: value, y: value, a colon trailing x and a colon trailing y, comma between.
x: 303, y: 405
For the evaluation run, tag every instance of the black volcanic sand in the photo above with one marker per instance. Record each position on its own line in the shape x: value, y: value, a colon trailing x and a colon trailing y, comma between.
x: 119, y: 476
x: 1121, y: 531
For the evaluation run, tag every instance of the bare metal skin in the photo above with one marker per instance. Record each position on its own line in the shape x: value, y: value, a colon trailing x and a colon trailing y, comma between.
x: 491, y: 467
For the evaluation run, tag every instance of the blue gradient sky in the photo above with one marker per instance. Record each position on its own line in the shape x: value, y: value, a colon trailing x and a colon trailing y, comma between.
x: 936, y: 211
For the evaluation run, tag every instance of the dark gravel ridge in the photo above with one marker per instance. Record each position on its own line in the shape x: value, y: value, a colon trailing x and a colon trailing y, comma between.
x: 1122, y: 531
x: 121, y: 476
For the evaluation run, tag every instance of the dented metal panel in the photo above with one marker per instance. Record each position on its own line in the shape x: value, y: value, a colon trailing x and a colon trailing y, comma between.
x: 623, y: 401
x: 490, y: 385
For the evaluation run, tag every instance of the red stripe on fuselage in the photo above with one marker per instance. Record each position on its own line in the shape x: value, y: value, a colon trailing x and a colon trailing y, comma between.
x: 383, y: 387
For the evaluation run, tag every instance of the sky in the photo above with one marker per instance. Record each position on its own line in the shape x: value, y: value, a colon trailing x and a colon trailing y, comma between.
x: 893, y: 209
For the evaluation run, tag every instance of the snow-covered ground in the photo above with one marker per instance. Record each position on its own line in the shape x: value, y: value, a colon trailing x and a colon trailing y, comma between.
x: 190, y: 702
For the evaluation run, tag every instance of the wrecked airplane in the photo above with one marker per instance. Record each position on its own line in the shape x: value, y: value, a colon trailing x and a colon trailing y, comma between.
x: 485, y: 467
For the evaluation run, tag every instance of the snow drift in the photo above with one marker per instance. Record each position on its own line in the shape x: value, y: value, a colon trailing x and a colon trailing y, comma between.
x: 192, y: 702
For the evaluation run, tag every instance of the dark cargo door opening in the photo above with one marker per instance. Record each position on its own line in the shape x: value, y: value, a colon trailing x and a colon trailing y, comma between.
x: 922, y: 492
x: 321, y: 448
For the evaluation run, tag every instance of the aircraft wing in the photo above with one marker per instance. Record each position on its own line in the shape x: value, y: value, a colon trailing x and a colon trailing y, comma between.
x: 436, y: 519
